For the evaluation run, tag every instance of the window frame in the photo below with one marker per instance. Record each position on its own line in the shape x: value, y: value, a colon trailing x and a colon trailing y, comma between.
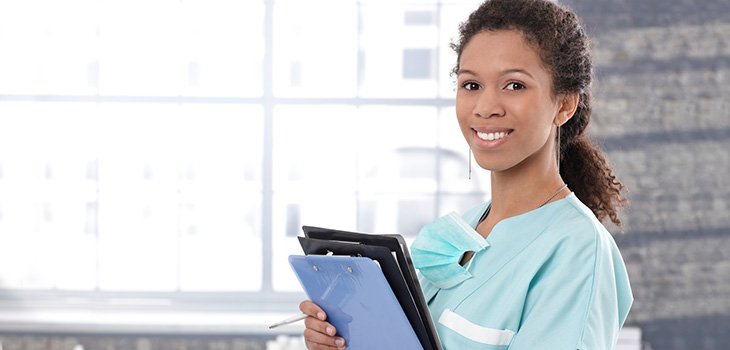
x: 24, y: 309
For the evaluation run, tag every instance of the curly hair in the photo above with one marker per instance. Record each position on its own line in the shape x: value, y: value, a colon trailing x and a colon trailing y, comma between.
x: 560, y: 40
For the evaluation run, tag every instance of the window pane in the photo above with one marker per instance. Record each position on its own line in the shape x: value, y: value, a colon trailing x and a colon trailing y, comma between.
x: 398, y: 158
x: 314, y: 148
x: 222, y: 145
x: 220, y: 245
x: 138, y: 189
x: 49, y: 47
x: 223, y: 47
x: 47, y: 199
x: 397, y: 149
x: 180, y: 176
x: 137, y: 234
x: 315, y: 50
x: 220, y: 197
x: 399, y: 50
x: 141, y: 48
x: 132, y: 48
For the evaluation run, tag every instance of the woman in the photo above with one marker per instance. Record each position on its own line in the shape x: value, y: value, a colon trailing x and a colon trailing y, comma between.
x: 534, y: 268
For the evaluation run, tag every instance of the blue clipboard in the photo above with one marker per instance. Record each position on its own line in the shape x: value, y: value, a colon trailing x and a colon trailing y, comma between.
x: 391, y: 252
x: 357, y: 299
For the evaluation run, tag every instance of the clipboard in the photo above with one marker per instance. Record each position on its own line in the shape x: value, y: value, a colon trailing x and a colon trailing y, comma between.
x: 357, y: 299
x: 391, y: 252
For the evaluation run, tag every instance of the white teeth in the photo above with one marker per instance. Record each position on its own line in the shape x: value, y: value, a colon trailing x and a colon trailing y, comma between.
x: 491, y: 136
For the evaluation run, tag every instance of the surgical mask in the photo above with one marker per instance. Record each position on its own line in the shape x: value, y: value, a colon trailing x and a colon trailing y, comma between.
x: 439, y: 247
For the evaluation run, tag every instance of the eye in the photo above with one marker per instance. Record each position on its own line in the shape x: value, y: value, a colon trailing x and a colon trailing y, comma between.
x: 470, y: 86
x: 514, y: 86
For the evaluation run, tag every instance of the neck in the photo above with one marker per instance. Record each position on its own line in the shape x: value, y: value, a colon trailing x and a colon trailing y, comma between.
x: 520, y: 190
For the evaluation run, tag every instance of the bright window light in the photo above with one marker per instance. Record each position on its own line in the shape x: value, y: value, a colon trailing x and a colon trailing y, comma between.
x: 161, y: 153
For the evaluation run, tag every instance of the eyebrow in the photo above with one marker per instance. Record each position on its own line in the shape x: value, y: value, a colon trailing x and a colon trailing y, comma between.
x: 502, y: 72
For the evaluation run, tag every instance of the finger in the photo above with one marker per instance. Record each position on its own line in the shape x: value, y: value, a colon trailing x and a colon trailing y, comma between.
x: 319, y: 332
x: 314, y: 323
x: 319, y: 326
x: 312, y: 309
x: 316, y: 346
x: 321, y: 338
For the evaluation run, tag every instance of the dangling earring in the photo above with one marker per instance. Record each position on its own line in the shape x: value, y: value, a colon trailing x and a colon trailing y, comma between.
x: 558, y: 147
x: 469, y: 163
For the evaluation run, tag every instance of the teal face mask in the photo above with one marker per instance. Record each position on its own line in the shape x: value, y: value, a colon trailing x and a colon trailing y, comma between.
x: 437, y: 250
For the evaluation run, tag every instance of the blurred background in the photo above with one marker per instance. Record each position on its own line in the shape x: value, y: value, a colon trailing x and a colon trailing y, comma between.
x: 158, y: 159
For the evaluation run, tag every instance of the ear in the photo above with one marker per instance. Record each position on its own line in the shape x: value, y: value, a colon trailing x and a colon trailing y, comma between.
x: 566, y: 108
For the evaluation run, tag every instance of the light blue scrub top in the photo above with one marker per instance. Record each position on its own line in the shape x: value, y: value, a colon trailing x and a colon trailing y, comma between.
x: 551, y: 278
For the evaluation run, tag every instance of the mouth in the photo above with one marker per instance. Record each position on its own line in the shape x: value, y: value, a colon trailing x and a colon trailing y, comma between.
x: 491, y: 136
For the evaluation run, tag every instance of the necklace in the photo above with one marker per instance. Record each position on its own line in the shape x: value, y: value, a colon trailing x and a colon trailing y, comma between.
x: 484, y: 216
x: 553, y: 196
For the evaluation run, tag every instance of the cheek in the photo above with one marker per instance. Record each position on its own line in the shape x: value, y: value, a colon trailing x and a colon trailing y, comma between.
x: 542, y: 130
x: 463, y: 112
x: 464, y: 125
x: 539, y: 116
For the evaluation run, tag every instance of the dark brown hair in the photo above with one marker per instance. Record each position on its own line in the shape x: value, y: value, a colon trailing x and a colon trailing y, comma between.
x: 560, y: 40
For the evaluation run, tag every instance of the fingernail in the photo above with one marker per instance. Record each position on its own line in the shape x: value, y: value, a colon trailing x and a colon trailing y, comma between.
x: 321, y: 315
x: 330, y: 331
x: 340, y: 342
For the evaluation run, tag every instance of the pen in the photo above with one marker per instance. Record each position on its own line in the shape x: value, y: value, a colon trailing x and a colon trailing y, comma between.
x: 289, y: 320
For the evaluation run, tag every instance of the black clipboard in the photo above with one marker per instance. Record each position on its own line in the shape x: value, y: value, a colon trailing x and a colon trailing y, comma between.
x: 391, y: 252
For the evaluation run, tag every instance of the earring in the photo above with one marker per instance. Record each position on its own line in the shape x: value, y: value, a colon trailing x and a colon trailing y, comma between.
x: 469, y: 163
x: 558, y: 147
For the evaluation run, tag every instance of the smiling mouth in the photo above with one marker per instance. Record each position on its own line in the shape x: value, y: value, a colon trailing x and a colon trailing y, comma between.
x: 491, y: 136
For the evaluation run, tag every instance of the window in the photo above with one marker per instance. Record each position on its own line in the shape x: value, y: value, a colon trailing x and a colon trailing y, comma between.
x: 172, y: 150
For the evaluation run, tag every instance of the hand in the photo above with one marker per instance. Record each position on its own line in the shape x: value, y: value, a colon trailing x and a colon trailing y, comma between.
x: 319, y: 334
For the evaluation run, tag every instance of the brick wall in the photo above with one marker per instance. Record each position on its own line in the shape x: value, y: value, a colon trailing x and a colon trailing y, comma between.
x: 662, y: 113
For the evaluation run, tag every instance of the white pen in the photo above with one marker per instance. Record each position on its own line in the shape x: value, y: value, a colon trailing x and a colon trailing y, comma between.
x: 289, y: 320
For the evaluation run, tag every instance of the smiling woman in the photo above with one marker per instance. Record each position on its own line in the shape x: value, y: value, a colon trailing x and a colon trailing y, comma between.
x: 533, y: 268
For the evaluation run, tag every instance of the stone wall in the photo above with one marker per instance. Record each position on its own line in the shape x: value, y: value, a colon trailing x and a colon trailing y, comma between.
x: 662, y: 113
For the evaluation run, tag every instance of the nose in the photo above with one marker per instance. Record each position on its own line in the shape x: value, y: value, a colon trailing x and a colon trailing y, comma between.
x: 489, y: 104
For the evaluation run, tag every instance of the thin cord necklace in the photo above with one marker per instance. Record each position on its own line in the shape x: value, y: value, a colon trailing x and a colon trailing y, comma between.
x: 553, y: 196
x: 486, y: 212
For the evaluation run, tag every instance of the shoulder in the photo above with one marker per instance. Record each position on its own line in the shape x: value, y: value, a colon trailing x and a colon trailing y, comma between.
x: 576, y: 224
x: 579, y: 274
x: 576, y: 240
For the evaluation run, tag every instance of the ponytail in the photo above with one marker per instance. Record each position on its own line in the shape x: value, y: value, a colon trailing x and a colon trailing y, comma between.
x: 585, y: 169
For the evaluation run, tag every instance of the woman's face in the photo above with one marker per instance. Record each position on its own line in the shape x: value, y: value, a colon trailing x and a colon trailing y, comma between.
x: 504, y: 102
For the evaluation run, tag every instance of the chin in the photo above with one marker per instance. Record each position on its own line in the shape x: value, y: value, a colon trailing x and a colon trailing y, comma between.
x: 492, y: 165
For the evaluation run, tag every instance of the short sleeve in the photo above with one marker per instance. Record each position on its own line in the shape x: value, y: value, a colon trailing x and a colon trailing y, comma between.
x: 573, y: 301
